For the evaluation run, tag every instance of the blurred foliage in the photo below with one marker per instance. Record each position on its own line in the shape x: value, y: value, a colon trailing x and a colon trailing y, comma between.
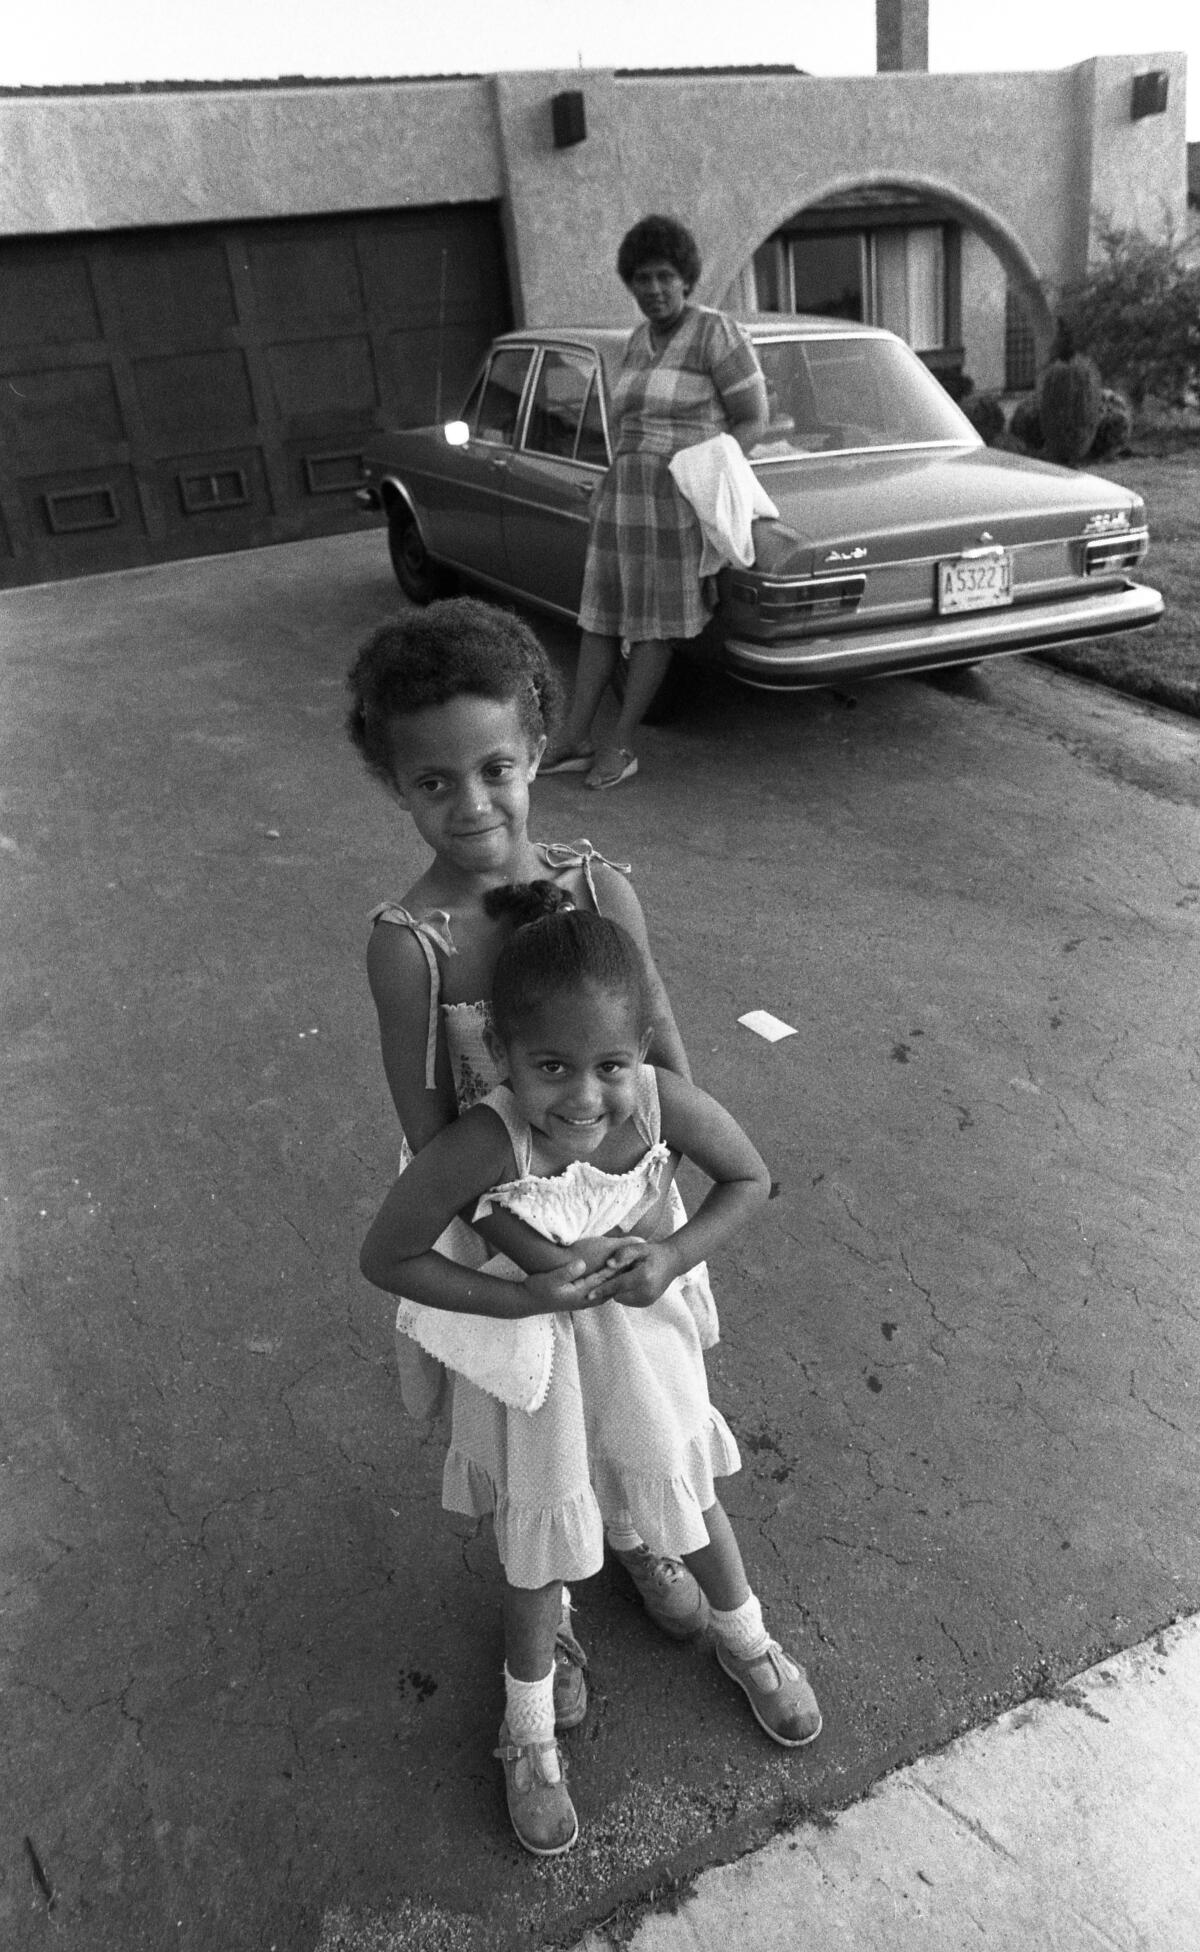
x: 1137, y: 312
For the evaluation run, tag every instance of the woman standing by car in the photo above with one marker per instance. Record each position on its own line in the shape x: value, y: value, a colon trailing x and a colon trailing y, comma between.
x: 687, y: 374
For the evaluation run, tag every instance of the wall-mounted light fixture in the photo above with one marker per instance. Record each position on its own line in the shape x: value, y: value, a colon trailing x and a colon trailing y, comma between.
x: 569, y: 118
x: 1149, y: 96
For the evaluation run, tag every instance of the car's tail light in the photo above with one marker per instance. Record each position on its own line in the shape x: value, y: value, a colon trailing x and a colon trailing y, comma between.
x: 1110, y: 552
x: 813, y: 600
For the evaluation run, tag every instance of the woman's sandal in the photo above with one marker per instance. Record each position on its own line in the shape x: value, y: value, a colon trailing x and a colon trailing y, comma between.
x: 625, y: 769
x: 573, y: 759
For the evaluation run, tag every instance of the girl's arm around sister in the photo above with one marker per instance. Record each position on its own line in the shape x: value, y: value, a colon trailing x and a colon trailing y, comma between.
x: 459, y: 1163
x: 696, y: 1127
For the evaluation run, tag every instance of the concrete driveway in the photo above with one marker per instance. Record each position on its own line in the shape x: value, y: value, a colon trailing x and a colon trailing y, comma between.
x: 252, y: 1673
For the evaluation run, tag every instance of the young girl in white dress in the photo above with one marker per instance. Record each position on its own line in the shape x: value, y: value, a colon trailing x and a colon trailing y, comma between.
x: 578, y: 1144
x: 450, y: 708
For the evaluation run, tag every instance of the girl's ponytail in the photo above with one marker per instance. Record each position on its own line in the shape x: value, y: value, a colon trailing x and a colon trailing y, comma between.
x: 526, y: 901
x: 556, y: 947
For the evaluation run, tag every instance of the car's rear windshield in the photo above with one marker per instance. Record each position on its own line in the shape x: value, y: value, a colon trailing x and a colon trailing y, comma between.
x: 830, y: 396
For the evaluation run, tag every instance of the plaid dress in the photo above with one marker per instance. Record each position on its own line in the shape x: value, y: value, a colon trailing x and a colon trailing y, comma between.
x: 642, y: 577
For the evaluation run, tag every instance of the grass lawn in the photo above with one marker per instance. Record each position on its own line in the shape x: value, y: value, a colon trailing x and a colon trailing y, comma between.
x: 1162, y: 663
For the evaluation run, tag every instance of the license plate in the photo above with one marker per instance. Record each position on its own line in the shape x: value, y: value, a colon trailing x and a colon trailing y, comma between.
x: 975, y: 583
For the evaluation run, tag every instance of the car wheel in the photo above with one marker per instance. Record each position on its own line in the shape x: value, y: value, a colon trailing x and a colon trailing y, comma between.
x: 673, y: 694
x: 418, y: 575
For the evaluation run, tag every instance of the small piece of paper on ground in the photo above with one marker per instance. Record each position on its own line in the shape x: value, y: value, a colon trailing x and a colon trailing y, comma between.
x: 763, y: 1024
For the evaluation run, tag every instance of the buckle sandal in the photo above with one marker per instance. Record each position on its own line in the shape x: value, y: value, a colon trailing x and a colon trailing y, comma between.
x: 626, y: 767
x: 573, y: 759
x: 668, y: 1592
x: 570, y: 1686
x: 541, y: 1811
x: 777, y: 1689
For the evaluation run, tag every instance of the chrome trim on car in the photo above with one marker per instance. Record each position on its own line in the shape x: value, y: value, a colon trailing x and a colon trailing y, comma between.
x: 983, y: 633
x: 806, y: 455
x: 1115, y: 551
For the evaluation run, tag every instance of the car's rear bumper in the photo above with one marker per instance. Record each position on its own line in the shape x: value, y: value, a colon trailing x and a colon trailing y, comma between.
x: 920, y: 647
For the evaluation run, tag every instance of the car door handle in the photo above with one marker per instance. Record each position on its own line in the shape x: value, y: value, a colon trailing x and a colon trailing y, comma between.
x: 498, y: 463
x: 585, y: 488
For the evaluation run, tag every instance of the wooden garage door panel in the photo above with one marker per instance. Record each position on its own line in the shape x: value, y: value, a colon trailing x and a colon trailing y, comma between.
x: 305, y: 276
x: 194, y: 397
x: 84, y: 508
x: 210, y: 497
x: 415, y: 273
x: 64, y: 409
x: 215, y: 386
x: 47, y: 296
x: 171, y: 290
x: 429, y: 372
x: 319, y: 381
x: 323, y: 470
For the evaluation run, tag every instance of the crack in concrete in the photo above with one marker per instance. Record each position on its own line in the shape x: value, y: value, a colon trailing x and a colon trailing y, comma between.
x: 971, y: 1824
x: 1142, y: 1404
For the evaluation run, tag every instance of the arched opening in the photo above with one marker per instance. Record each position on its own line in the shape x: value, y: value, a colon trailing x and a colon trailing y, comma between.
x: 918, y: 257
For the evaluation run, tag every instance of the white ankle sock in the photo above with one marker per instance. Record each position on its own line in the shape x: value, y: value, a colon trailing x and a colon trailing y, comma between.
x: 529, y: 1708
x: 741, y: 1629
x: 622, y: 1538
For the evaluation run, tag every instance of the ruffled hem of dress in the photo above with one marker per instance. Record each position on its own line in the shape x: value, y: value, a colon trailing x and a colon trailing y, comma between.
x: 538, y: 1543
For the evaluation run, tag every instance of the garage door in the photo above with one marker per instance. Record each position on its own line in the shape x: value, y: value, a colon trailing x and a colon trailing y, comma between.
x: 176, y: 392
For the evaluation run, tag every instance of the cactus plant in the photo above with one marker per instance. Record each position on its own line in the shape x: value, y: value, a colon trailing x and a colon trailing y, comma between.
x: 1069, y: 400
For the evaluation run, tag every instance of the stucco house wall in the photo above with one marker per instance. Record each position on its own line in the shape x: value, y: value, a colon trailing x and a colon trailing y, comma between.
x: 1030, y: 162
x: 984, y: 286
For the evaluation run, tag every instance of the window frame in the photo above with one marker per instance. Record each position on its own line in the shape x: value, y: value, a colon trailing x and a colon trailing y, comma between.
x: 587, y: 357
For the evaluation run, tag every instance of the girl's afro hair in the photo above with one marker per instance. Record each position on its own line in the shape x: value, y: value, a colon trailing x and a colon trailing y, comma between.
x: 427, y: 657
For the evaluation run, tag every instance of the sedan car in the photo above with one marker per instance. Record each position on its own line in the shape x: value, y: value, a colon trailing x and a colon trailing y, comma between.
x: 903, y: 543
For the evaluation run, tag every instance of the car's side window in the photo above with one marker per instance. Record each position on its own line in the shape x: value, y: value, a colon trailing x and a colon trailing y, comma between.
x: 500, y: 404
x: 470, y: 412
x: 559, y: 398
x: 593, y: 446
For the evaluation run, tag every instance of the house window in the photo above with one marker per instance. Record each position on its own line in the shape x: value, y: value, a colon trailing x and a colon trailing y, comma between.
x: 831, y: 275
x: 901, y: 275
x: 1020, y: 349
x: 910, y: 285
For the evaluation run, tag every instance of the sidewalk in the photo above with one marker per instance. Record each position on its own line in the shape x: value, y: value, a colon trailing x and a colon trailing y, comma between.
x: 1071, y: 1823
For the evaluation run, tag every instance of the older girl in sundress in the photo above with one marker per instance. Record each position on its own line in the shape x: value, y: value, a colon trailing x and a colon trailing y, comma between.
x: 449, y: 709
x: 577, y: 1143
x: 687, y: 374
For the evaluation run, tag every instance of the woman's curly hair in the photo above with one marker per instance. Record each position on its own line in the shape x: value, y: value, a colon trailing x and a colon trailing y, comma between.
x: 659, y: 240
x: 427, y: 657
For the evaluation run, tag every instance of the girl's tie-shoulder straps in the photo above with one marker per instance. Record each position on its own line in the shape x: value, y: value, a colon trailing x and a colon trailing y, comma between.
x: 432, y: 932
x: 648, y: 1113
x: 501, y: 1101
x: 559, y: 854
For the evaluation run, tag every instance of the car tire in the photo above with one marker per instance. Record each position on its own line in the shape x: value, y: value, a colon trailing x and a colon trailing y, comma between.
x: 418, y: 575
x: 673, y: 694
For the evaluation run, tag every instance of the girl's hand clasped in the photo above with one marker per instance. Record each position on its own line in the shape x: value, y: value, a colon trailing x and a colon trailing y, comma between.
x: 638, y: 1272
x: 562, y: 1290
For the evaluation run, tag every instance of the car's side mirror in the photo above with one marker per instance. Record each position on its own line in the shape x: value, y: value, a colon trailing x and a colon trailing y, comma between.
x: 456, y: 433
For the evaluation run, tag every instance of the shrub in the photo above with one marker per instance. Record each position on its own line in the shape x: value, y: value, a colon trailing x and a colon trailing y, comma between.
x: 985, y: 414
x: 958, y: 386
x: 1116, y: 425
x: 1026, y: 426
x: 1069, y: 400
x: 1138, y: 312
